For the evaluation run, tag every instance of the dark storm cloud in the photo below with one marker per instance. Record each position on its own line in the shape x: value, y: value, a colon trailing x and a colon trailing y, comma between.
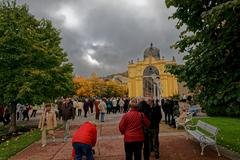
x: 103, y: 35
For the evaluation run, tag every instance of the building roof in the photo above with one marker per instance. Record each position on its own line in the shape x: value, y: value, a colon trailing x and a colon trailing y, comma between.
x: 152, y: 51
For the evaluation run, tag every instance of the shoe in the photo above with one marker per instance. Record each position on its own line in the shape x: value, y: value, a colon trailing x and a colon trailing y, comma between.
x: 65, y: 140
x: 43, y: 145
x: 54, y: 140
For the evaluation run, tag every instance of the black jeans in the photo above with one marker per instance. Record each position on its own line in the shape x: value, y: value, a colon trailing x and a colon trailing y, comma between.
x: 25, y: 115
x: 155, y: 145
x: 85, y: 112
x: 109, y: 110
x: 34, y: 113
x: 133, y: 148
x: 147, y: 144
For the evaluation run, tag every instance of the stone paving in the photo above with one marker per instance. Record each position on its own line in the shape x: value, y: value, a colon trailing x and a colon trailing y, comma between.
x: 173, y: 144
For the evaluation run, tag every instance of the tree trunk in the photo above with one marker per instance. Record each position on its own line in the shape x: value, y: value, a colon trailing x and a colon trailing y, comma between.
x: 12, y: 127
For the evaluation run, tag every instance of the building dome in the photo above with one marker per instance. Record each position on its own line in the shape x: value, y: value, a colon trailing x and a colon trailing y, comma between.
x: 152, y: 51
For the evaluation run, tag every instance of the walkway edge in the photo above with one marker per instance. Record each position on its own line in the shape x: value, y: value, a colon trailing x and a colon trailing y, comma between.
x: 228, y: 153
x: 25, y: 149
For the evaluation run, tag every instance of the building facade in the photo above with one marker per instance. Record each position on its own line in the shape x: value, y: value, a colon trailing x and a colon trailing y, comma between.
x: 147, y: 77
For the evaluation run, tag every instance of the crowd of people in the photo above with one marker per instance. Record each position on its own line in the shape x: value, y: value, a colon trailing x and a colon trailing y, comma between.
x: 100, y: 106
x: 139, y: 123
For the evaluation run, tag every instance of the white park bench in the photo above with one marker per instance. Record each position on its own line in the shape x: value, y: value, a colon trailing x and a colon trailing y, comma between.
x: 204, y: 133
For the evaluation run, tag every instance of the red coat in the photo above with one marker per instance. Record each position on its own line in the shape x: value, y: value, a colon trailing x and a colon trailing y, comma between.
x: 86, y: 134
x: 131, y: 125
x: 96, y: 106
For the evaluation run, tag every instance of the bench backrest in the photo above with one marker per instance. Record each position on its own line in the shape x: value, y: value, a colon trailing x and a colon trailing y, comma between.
x: 207, y: 127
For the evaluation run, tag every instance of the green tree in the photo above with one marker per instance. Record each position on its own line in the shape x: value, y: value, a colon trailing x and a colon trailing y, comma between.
x: 211, y: 37
x: 33, y: 66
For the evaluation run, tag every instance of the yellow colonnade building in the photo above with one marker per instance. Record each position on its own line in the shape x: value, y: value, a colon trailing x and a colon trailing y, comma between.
x: 147, y: 77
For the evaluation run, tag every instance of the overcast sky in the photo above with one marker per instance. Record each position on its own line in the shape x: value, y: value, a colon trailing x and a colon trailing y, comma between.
x: 103, y: 35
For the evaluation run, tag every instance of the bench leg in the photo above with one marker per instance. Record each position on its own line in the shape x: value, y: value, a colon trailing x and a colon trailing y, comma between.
x: 217, y: 150
x: 202, y: 148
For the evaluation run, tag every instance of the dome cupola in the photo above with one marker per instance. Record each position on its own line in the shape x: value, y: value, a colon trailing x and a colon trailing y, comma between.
x: 152, y: 51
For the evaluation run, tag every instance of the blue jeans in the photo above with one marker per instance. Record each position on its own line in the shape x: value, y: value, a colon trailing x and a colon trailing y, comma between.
x: 102, y: 116
x: 82, y: 149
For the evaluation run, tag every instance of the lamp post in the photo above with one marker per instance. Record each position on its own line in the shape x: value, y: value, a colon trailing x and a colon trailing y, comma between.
x: 156, y: 87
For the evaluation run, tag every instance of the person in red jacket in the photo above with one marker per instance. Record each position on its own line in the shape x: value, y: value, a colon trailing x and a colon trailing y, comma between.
x: 83, y: 140
x: 131, y: 125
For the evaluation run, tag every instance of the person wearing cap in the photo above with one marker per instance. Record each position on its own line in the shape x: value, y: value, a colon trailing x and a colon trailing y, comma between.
x: 47, y: 124
x: 83, y: 140
x: 131, y: 126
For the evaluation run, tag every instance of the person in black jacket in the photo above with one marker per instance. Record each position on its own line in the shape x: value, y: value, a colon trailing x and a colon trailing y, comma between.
x: 165, y: 108
x: 155, y: 119
x: 144, y: 106
x: 126, y: 102
x: 67, y: 114
x: 171, y: 106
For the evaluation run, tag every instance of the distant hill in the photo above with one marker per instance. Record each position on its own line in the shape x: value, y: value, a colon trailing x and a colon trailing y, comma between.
x: 124, y: 74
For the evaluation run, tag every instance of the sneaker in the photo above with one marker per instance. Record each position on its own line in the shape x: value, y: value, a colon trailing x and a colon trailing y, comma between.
x: 65, y: 139
x: 43, y: 145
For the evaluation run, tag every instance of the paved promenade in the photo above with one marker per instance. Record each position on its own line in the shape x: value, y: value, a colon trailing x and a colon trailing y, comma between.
x: 173, y: 144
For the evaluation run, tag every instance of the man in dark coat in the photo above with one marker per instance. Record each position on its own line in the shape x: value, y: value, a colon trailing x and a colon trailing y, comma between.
x: 155, y: 119
x: 91, y: 105
x: 59, y: 106
x: 126, y: 102
x: 145, y: 107
x: 86, y: 107
x: 165, y: 110
x: 67, y: 114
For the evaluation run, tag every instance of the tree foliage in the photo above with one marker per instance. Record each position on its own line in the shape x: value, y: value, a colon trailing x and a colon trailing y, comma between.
x: 33, y: 66
x: 211, y: 37
x: 97, y: 87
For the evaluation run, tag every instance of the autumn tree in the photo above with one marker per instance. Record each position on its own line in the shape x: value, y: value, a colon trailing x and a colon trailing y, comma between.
x: 97, y: 87
x: 210, y: 37
x: 33, y: 66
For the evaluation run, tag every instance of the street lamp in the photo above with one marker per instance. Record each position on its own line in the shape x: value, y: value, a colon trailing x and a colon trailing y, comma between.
x: 156, y: 86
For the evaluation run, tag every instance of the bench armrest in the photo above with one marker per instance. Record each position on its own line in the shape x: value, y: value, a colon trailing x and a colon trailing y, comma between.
x: 190, y: 127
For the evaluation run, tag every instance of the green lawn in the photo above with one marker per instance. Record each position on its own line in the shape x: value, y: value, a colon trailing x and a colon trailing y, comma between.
x: 229, y: 134
x: 14, y: 145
